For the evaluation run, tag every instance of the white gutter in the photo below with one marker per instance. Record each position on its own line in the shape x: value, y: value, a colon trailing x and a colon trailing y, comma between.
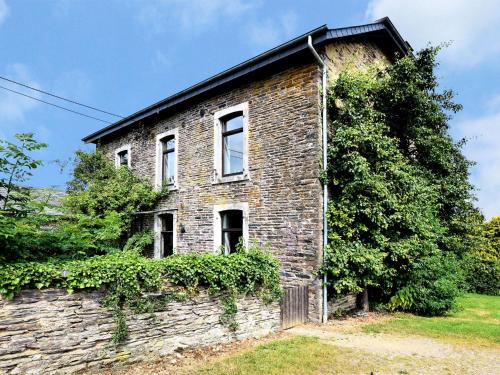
x: 325, y: 164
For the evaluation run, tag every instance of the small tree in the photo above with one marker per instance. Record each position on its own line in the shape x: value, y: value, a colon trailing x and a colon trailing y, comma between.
x: 16, y: 166
x: 104, y: 198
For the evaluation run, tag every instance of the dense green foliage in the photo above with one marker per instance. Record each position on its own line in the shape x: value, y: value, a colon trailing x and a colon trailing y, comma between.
x: 400, y: 195
x: 433, y: 285
x: 16, y: 166
x: 482, y: 263
x: 127, y: 276
x: 482, y: 275
x: 98, y: 214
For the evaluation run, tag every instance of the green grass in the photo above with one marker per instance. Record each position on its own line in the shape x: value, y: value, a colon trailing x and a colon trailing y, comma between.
x: 477, y: 321
x: 300, y: 355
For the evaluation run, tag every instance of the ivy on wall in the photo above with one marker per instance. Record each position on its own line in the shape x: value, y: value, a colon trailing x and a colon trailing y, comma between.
x: 401, y: 201
x: 127, y: 278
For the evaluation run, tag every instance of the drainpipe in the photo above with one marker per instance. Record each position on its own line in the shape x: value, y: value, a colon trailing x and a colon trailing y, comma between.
x: 325, y: 161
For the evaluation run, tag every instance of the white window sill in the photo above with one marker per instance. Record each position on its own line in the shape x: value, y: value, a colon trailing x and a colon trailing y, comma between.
x: 227, y: 179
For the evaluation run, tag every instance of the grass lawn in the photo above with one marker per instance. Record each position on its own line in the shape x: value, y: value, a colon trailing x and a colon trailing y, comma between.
x: 299, y: 356
x: 477, y: 321
x: 476, y: 324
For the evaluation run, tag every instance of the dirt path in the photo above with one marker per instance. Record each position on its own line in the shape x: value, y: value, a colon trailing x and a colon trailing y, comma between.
x: 424, y: 355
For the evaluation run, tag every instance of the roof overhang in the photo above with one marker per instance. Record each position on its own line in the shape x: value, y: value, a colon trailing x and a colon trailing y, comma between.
x: 320, y: 35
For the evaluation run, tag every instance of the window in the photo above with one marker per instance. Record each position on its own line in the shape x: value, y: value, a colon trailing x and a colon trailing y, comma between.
x: 230, y: 226
x: 232, y: 229
x: 122, y: 156
x: 165, y: 234
x: 166, y: 159
x: 231, y: 144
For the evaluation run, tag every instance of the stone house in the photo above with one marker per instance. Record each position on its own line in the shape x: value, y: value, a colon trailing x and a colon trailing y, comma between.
x: 242, y: 152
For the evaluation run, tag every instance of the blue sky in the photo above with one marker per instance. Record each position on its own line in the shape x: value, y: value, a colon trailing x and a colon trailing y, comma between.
x: 124, y: 55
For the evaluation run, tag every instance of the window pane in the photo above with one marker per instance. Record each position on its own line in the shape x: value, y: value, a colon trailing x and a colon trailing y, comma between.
x: 167, y: 234
x: 168, y: 144
x: 232, y: 229
x: 230, y: 240
x: 232, y: 219
x: 167, y: 222
x: 169, y: 167
x: 234, y: 123
x: 233, y: 153
x: 123, y: 158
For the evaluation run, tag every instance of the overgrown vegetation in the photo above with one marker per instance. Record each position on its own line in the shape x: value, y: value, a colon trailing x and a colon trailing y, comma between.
x: 401, y: 213
x: 92, y: 245
x: 482, y: 263
x: 128, y: 277
x: 97, y: 212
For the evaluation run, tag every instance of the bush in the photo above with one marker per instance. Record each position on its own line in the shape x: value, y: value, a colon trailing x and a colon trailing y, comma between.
x: 433, y: 286
x: 482, y: 275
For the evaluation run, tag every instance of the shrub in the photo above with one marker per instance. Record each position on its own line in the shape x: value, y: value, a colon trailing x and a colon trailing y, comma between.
x: 482, y: 275
x: 433, y: 285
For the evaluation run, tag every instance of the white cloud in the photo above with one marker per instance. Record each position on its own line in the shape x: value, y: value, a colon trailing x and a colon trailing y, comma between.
x: 270, y: 32
x: 472, y: 26
x: 189, y: 15
x: 4, y: 11
x: 484, y: 148
x: 13, y: 107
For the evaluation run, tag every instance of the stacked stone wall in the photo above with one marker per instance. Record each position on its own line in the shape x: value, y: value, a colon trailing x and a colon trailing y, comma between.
x: 52, y: 332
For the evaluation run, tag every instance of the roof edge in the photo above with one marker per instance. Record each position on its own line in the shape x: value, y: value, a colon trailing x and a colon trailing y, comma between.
x: 320, y: 35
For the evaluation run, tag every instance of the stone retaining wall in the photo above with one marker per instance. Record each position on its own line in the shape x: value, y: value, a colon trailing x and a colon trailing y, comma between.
x: 51, y: 332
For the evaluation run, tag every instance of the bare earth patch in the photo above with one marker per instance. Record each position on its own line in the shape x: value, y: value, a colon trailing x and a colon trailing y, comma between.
x: 423, y: 355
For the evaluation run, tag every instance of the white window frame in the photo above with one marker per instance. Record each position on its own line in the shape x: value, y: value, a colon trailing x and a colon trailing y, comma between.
x: 121, y: 149
x: 242, y: 206
x: 218, y: 173
x: 159, y: 159
x: 158, y: 248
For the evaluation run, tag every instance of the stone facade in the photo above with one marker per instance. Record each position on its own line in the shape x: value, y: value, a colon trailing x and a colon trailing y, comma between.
x: 51, y: 332
x: 283, y: 190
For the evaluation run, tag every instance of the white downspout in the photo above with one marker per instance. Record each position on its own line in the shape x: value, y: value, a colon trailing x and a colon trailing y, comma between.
x: 325, y: 164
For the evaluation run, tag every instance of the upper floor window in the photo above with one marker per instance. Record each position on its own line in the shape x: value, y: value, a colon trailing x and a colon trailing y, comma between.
x: 166, y: 159
x: 231, y: 144
x: 122, y: 156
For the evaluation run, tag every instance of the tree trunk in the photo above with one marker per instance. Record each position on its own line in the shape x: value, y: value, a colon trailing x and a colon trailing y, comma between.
x: 364, y: 306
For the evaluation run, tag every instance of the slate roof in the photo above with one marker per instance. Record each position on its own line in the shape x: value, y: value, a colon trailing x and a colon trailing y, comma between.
x: 383, y: 30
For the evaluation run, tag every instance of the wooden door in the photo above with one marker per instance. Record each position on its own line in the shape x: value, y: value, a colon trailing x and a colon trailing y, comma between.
x: 294, y: 306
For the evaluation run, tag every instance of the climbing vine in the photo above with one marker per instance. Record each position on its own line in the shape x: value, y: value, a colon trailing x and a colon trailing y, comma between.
x: 401, y: 202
